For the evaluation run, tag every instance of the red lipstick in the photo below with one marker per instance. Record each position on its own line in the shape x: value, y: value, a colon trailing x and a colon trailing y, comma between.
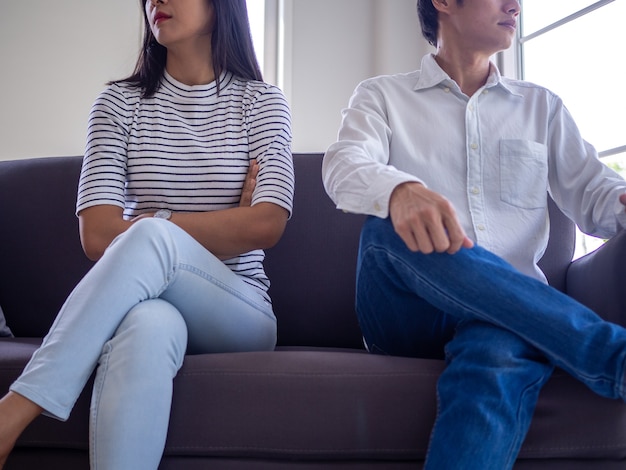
x: 160, y: 17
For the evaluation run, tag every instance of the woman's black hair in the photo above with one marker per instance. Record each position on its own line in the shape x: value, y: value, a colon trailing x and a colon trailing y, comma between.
x: 429, y: 19
x: 231, y: 48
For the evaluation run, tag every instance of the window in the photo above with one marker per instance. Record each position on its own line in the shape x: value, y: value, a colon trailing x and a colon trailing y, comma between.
x: 256, y: 15
x: 574, y: 48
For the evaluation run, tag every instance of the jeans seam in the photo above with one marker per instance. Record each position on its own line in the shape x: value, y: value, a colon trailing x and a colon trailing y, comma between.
x: 433, y: 288
x: 521, y: 433
x: 234, y: 292
x: 620, y: 385
x: 437, y: 413
x: 96, y: 394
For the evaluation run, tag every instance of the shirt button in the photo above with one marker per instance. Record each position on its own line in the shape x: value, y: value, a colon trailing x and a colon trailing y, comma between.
x: 475, y: 190
x: 474, y: 146
x: 471, y: 107
x: 481, y: 227
x: 377, y: 207
x: 485, y: 92
x: 446, y: 89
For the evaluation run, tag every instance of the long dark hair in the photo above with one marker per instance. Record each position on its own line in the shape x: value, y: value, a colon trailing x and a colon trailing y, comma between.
x: 231, y: 48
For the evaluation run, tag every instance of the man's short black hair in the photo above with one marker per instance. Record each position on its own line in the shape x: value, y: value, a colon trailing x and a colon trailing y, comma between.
x: 429, y: 19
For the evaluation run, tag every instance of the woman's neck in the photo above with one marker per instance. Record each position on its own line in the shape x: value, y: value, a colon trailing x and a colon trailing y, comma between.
x: 191, y: 66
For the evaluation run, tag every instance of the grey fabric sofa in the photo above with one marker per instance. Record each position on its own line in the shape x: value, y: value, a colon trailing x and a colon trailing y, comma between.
x: 319, y: 400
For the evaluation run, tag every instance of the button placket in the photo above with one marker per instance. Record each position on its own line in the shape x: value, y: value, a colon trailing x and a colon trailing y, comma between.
x: 474, y: 171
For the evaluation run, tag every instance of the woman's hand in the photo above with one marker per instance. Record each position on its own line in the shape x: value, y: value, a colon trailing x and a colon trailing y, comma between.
x: 249, y: 184
x: 246, y: 192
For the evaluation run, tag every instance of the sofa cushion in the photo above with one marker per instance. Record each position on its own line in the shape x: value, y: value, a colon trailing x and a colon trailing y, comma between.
x: 312, y: 269
x: 44, y: 432
x: 41, y: 255
x: 303, y: 404
x: 328, y: 404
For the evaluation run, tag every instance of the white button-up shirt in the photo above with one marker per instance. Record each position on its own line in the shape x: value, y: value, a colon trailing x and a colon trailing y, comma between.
x: 495, y: 155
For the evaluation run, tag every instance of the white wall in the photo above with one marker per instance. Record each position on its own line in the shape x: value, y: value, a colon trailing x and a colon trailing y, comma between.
x: 57, y: 56
x: 335, y: 45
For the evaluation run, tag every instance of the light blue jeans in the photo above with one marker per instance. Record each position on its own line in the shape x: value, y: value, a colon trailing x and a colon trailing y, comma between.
x: 155, y: 294
x: 502, y: 333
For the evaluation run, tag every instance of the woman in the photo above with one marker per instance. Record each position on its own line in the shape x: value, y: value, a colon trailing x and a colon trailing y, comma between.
x: 162, y: 207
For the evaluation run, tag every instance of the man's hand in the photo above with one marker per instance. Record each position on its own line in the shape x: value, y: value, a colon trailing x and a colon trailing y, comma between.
x: 249, y: 184
x: 425, y: 220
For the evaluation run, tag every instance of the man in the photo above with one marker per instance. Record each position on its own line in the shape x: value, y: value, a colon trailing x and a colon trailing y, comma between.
x: 454, y: 163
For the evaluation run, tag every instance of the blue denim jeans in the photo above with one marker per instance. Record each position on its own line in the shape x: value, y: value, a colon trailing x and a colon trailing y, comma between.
x: 155, y: 294
x: 501, y: 333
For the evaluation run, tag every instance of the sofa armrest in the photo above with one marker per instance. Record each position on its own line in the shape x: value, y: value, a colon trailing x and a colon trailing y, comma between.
x: 597, y: 280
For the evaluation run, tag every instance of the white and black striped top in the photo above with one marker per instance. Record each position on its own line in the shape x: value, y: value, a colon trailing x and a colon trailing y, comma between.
x: 188, y: 149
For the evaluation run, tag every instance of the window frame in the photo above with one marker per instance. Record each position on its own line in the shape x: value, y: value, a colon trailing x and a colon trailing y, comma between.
x: 511, y: 61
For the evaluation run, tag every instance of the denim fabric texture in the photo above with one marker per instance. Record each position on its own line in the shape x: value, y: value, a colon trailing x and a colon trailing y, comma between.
x: 154, y: 295
x: 501, y: 333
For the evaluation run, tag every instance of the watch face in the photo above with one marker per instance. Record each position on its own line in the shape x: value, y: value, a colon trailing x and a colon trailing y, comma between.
x: 163, y: 214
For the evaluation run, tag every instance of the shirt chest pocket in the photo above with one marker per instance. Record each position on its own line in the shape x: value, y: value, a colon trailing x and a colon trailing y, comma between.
x: 523, y: 173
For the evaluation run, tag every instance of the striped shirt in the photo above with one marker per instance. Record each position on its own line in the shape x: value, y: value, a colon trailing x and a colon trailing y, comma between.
x: 188, y: 149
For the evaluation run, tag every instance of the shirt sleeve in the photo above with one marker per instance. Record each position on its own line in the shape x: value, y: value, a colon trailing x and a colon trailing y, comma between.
x: 356, y: 170
x: 583, y: 187
x: 269, y: 134
x: 103, y: 174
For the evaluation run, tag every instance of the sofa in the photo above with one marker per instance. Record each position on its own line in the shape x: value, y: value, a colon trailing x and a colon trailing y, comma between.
x: 318, y: 401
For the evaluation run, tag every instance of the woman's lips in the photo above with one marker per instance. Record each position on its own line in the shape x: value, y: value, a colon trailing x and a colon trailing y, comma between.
x: 160, y: 17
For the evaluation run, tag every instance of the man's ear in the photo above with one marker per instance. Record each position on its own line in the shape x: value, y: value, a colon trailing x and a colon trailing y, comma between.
x: 440, y: 5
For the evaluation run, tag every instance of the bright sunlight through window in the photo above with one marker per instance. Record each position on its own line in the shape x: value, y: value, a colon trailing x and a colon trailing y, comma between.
x: 256, y: 14
x: 574, y: 48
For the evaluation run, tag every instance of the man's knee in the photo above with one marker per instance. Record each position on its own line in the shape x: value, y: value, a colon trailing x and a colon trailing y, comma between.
x: 491, y: 346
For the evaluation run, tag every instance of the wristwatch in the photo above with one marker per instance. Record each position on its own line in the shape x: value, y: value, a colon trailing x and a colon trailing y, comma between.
x: 163, y: 214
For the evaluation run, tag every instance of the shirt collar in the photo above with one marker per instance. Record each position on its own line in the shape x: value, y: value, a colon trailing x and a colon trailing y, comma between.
x: 432, y: 75
x: 208, y: 90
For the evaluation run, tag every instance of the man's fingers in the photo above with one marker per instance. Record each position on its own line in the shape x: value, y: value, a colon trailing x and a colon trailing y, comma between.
x: 426, y: 221
x: 456, y: 236
x: 424, y: 240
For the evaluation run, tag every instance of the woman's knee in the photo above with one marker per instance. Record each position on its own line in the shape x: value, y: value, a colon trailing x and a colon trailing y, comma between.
x: 156, y: 328
x: 144, y: 232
